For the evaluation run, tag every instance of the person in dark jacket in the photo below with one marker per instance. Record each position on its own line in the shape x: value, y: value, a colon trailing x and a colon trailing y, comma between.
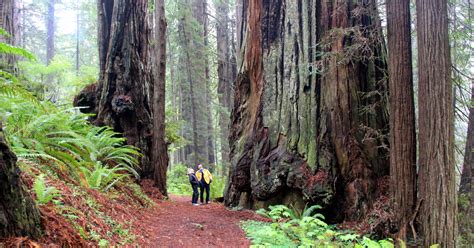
x: 194, y: 184
x: 204, y: 178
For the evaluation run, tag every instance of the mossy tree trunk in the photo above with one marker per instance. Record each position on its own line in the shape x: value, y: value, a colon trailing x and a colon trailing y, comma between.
x: 18, y: 213
x: 309, y: 122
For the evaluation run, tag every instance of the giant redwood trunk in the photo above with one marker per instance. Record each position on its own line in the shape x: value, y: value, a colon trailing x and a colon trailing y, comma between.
x: 309, y: 121
x: 402, y: 113
x: 437, y: 180
x: 18, y: 213
x: 122, y: 97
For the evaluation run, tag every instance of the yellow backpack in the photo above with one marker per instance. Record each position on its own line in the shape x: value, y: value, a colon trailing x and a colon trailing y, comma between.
x: 207, y: 175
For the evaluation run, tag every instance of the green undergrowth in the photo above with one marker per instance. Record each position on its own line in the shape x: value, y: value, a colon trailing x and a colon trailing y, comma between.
x: 178, y: 182
x: 290, y: 228
x: 82, y: 177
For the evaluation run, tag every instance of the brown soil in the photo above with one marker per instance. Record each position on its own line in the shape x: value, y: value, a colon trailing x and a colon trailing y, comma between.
x: 177, y: 223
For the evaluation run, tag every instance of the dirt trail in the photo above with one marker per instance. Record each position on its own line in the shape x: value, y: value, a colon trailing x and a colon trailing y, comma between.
x: 177, y: 223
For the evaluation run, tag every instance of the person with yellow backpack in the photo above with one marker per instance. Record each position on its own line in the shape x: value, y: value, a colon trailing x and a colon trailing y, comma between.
x: 204, y: 177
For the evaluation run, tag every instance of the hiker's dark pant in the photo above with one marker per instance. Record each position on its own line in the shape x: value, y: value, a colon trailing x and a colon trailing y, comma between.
x: 207, y: 188
x: 195, y: 193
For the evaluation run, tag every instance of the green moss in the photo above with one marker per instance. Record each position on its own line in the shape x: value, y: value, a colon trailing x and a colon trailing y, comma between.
x: 311, y: 155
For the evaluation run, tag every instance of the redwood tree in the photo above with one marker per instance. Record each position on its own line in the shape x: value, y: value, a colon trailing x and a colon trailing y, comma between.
x: 402, y: 112
x: 437, y: 182
x: 160, y: 148
x: 466, y: 198
x: 8, y: 21
x: 309, y: 123
x: 121, y: 99
x: 18, y: 213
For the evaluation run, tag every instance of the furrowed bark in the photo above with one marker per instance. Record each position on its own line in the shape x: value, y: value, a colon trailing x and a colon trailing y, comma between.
x: 122, y: 97
x: 307, y: 125
x: 437, y: 188
x: 18, y: 213
x: 160, y: 157
x: 402, y: 114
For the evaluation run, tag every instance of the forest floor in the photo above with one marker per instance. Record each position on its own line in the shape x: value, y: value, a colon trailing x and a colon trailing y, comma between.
x: 177, y: 223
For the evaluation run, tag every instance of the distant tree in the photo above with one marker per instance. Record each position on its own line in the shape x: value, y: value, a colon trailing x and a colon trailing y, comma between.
x: 437, y: 180
x: 224, y: 74
x: 402, y: 113
x: 51, y: 30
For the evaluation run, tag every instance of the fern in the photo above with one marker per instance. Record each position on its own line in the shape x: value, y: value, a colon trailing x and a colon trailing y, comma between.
x: 4, y: 33
x: 44, y: 194
x: 13, y: 50
x: 101, y: 177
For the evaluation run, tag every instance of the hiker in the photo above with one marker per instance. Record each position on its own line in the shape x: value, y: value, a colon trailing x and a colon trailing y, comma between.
x: 205, y: 179
x: 194, y: 183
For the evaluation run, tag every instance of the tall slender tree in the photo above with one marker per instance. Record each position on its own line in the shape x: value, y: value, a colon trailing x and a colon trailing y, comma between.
x: 402, y: 112
x: 50, y: 31
x: 437, y: 182
x: 467, y: 180
x: 160, y: 157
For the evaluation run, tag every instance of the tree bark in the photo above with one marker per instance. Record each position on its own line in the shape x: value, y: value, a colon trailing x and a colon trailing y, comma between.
x: 468, y: 165
x: 436, y: 183
x: 18, y: 213
x: 466, y: 208
x: 160, y: 157
x: 121, y: 98
x: 8, y: 21
x: 402, y: 113
x: 308, y: 135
